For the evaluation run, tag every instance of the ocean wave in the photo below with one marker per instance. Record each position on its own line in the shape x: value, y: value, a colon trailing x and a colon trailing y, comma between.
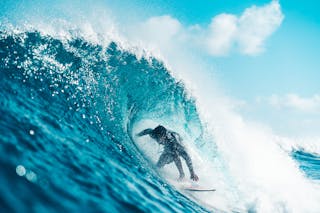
x: 68, y: 108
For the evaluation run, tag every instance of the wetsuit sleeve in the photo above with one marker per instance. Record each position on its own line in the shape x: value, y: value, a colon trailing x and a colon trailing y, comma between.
x: 145, y: 132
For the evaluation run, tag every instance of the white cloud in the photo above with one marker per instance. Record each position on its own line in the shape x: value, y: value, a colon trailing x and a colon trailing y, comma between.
x: 156, y: 33
x: 256, y: 24
x: 246, y: 33
x: 222, y: 33
x: 161, y: 29
x: 295, y: 102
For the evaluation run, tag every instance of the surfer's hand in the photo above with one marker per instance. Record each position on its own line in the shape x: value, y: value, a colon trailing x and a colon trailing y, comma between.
x: 194, y: 177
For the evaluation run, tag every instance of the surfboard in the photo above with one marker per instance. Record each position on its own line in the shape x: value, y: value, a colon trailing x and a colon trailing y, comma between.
x: 199, y: 189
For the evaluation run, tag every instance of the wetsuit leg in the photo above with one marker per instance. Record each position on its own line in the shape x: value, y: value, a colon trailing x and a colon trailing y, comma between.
x: 178, y: 163
x: 187, y: 158
x: 164, y: 159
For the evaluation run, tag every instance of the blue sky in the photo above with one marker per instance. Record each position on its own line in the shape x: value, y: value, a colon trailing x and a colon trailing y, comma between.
x: 290, y: 62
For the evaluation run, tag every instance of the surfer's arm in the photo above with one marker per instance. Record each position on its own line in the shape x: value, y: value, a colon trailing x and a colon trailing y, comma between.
x: 145, y: 132
x: 178, y: 137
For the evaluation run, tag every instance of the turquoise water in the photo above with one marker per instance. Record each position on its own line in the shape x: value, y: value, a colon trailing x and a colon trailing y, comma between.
x: 309, y: 163
x: 66, y: 115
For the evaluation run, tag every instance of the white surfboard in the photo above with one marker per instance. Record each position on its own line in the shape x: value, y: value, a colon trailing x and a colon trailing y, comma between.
x: 197, y: 189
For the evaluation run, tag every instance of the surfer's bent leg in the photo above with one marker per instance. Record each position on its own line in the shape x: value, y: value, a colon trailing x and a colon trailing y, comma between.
x: 164, y: 159
x: 187, y: 158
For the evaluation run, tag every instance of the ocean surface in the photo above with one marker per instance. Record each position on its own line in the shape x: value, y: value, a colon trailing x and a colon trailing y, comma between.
x: 70, y: 109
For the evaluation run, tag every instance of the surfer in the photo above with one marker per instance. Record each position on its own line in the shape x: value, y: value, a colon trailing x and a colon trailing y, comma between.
x: 173, y: 149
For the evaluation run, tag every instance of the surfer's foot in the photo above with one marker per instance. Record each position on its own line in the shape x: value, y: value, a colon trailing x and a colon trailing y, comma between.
x: 181, y: 177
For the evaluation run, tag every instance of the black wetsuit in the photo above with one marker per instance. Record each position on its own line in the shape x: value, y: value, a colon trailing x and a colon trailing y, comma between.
x: 173, y: 149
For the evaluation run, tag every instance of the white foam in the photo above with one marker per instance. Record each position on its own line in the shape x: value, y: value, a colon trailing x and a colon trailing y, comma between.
x: 309, y: 144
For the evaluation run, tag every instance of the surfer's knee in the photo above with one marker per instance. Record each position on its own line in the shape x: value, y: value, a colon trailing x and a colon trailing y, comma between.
x: 161, y: 163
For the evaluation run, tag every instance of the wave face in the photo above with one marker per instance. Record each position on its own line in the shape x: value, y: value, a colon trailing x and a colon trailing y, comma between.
x: 67, y: 112
x: 309, y: 163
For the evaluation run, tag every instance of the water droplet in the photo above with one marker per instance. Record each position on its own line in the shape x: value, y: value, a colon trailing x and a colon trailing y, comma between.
x: 83, y: 116
x: 31, y: 132
x: 31, y: 176
x: 87, y: 140
x: 20, y: 170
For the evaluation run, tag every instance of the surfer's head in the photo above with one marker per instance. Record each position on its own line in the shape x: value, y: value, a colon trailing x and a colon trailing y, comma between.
x: 159, y: 133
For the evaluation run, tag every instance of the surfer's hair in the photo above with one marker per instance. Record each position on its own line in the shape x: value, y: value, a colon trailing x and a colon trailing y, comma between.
x: 160, y: 131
